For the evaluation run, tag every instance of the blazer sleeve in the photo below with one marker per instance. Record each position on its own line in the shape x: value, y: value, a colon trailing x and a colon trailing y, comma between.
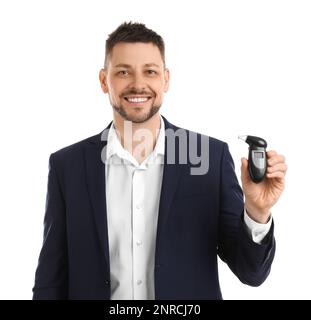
x: 250, y: 262
x: 51, y: 280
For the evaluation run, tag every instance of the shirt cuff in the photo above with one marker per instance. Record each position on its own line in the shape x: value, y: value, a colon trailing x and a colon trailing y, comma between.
x: 257, y: 231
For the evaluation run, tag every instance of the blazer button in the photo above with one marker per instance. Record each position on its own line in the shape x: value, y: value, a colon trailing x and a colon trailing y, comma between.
x: 107, y: 282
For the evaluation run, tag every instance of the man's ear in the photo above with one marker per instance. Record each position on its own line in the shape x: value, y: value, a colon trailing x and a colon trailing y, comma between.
x: 166, y: 79
x: 103, y: 80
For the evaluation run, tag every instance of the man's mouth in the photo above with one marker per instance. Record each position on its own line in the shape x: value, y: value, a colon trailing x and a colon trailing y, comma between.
x: 137, y: 100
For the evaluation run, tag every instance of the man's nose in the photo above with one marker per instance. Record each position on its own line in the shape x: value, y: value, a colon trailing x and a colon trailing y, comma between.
x: 139, y: 82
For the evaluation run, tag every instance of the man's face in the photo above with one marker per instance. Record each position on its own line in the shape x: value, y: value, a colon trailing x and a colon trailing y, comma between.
x: 135, y: 80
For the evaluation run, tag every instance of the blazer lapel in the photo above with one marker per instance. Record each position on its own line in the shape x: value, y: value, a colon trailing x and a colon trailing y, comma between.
x: 171, y: 175
x: 96, y: 183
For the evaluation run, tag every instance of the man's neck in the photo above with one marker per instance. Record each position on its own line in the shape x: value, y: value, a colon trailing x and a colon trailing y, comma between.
x: 138, y: 138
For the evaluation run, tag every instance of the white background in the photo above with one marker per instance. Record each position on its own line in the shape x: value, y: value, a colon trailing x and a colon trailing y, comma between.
x: 237, y: 67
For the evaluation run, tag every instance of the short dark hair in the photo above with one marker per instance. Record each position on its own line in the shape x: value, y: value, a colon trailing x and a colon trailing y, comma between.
x: 133, y: 32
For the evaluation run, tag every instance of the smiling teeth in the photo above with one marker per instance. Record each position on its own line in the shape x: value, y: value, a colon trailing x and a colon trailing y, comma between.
x: 137, y: 99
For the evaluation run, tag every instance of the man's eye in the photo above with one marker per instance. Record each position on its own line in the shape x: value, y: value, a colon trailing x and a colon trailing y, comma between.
x: 123, y: 72
x: 151, y: 72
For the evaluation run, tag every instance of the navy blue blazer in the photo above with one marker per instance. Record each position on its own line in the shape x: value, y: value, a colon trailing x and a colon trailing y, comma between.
x: 200, y: 216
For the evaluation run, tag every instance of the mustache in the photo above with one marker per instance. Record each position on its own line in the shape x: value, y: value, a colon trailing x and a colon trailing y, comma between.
x: 137, y: 92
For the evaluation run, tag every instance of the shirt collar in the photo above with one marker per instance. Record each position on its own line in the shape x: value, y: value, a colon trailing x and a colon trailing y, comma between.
x: 114, y: 146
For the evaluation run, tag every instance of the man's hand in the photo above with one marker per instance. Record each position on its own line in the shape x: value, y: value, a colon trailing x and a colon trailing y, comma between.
x: 260, y: 197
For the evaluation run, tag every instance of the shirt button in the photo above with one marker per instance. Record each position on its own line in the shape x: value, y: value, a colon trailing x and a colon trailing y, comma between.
x: 138, y: 206
x: 139, y: 282
x: 139, y: 243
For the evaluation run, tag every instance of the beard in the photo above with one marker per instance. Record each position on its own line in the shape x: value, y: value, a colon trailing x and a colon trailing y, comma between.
x: 136, y: 118
x: 136, y: 115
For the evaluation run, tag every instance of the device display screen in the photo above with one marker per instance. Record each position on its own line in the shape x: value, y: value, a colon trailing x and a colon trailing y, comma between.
x: 258, y: 154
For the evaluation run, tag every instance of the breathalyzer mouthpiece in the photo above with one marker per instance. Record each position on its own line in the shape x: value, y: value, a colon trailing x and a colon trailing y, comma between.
x: 255, y: 141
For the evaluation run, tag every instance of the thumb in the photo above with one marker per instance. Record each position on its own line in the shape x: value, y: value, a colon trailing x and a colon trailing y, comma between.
x: 244, y: 170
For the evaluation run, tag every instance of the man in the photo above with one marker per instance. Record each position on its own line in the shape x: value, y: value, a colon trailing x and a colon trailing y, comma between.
x: 127, y: 219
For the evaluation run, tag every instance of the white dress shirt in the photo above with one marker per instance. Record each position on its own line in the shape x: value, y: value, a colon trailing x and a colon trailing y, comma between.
x: 133, y: 196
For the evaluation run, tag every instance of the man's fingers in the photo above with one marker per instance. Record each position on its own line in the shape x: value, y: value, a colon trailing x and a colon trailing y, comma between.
x: 244, y: 162
x: 271, y: 153
x: 277, y: 167
x: 244, y: 171
x: 276, y: 158
x: 277, y: 174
